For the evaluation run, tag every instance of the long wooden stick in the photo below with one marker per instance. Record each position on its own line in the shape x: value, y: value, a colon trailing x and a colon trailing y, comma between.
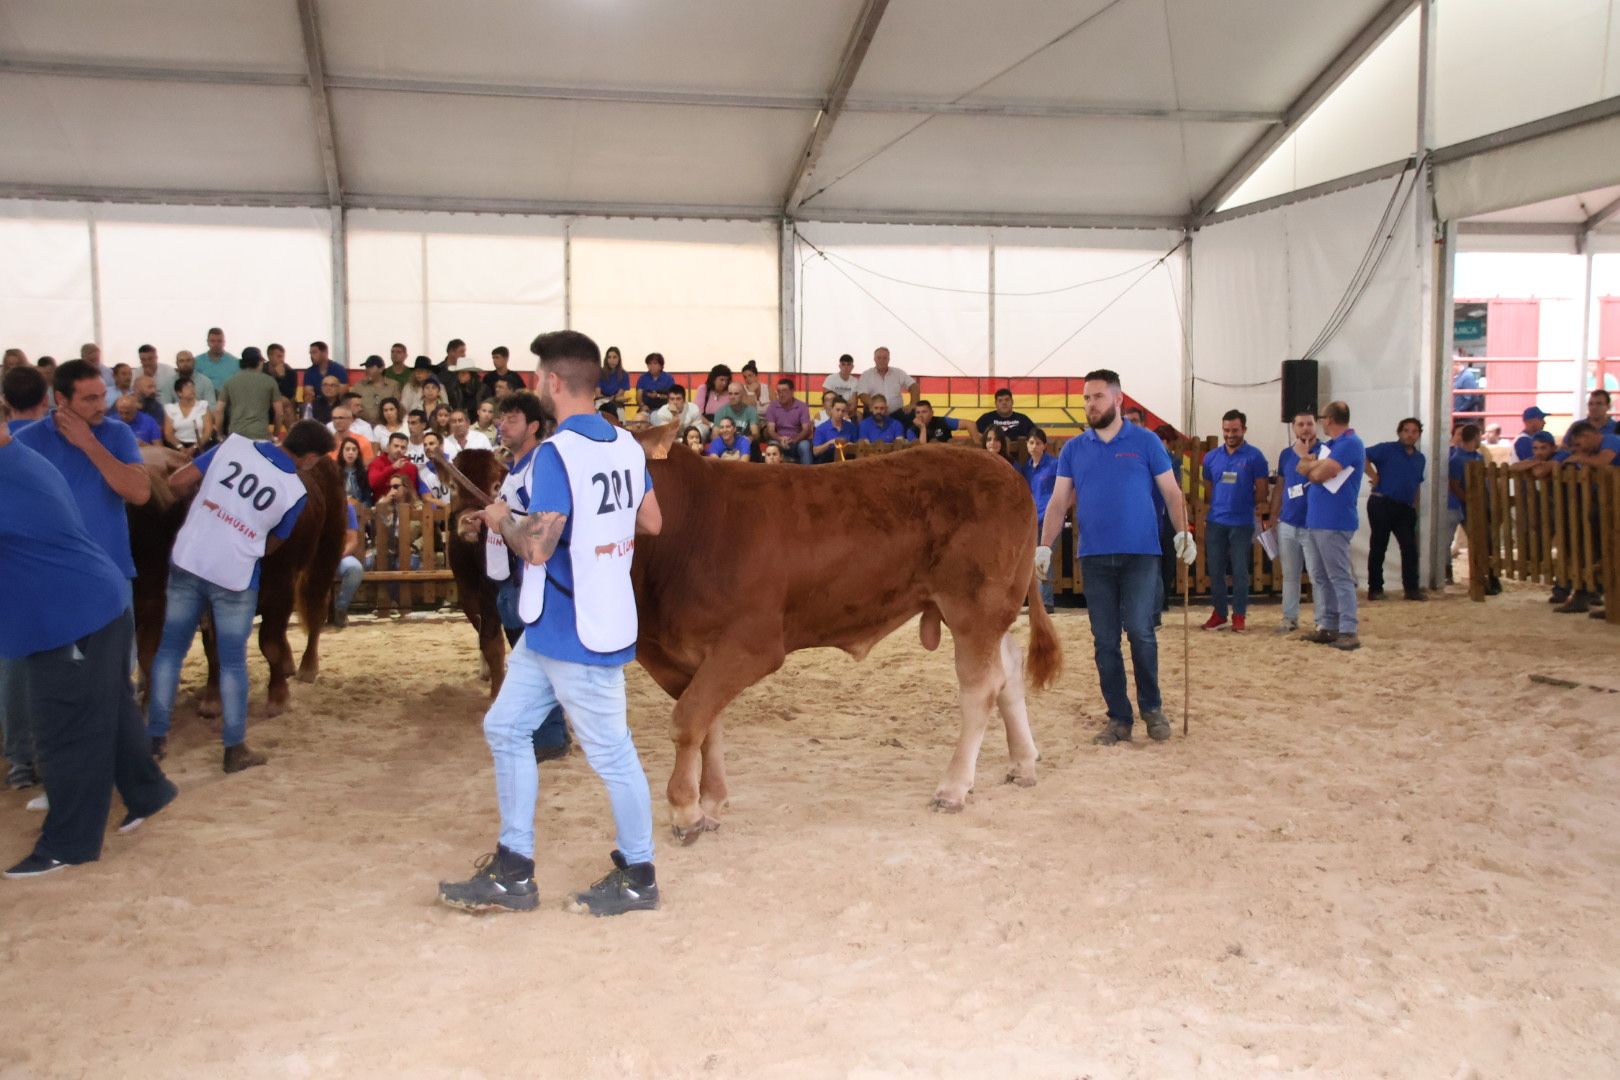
x: 1186, y: 641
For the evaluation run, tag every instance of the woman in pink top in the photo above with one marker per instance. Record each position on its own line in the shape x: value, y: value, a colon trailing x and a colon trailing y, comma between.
x: 714, y: 391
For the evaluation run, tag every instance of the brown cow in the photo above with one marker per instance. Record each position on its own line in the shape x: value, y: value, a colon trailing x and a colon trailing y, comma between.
x: 474, y: 589
x: 303, y: 568
x: 948, y: 534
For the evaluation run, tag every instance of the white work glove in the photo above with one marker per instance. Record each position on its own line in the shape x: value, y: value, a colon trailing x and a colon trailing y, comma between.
x: 1186, y: 548
x: 1043, y: 562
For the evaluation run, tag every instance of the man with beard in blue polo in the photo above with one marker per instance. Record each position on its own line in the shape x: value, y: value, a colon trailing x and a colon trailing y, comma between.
x: 1237, y: 474
x: 1107, y: 474
x: 1395, y: 471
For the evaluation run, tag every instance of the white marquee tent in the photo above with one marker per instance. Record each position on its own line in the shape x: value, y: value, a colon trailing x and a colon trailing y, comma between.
x: 1187, y: 190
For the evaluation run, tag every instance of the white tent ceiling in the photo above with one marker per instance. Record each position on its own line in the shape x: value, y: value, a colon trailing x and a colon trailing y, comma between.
x: 1112, y: 109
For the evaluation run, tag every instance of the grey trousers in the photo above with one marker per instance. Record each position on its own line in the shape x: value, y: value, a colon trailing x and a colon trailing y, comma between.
x: 1333, y: 582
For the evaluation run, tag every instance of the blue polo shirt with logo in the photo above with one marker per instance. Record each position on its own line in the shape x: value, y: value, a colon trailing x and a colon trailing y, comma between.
x: 888, y: 431
x: 1293, y: 485
x: 1113, y: 489
x: 1399, y: 474
x: 1457, y: 469
x: 1231, y: 475
x: 1336, y: 511
x: 100, y: 506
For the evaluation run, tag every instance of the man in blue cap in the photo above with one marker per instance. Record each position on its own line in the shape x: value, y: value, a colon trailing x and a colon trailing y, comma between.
x: 1395, y: 471
x: 1524, y: 446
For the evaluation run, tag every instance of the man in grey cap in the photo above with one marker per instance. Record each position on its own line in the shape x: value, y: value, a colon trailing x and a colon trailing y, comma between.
x: 1524, y: 446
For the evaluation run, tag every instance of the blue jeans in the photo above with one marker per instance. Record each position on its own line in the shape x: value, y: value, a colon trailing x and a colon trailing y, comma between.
x: 1294, y: 553
x: 1120, y: 594
x: 1333, y: 582
x: 593, y: 695
x: 189, y: 596
x: 800, y: 450
x: 1046, y: 591
x: 1228, y: 546
x: 350, y: 571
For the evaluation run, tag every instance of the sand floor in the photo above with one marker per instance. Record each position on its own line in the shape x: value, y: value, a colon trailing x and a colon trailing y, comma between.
x: 1402, y: 862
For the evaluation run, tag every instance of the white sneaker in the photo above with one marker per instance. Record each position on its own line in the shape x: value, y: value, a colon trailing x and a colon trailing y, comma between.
x: 39, y: 802
x: 1287, y: 626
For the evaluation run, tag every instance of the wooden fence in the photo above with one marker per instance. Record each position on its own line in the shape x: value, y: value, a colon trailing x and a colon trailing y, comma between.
x: 400, y: 533
x: 1560, y: 529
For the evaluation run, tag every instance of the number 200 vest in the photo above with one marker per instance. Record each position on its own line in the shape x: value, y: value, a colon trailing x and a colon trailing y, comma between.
x: 242, y: 498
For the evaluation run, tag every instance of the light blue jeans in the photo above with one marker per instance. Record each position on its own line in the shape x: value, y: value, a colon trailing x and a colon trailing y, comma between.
x: 1333, y: 581
x: 350, y: 571
x: 188, y: 597
x: 1294, y: 553
x: 593, y: 696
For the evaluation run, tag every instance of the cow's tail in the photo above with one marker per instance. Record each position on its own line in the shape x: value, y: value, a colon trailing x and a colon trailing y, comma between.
x: 318, y: 577
x: 1045, y: 660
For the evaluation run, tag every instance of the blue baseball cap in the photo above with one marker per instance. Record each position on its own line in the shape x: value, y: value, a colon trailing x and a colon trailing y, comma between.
x: 1533, y: 413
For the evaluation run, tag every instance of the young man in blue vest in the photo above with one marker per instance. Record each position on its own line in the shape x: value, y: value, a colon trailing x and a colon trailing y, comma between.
x: 1108, y: 474
x: 1334, y: 473
x: 249, y: 498
x: 1237, y: 475
x: 589, y: 494
x: 1395, y: 471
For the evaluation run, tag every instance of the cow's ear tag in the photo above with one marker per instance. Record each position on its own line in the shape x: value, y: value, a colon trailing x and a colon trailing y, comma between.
x: 656, y: 441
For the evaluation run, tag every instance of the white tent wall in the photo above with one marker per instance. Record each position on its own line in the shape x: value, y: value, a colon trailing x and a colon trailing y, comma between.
x: 46, y: 306
x: 422, y: 279
x: 1119, y: 306
x: 1263, y: 288
x: 920, y: 291
x: 700, y: 292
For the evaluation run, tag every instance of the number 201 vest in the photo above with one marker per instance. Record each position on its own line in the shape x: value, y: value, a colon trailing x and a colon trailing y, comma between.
x: 607, y: 481
x: 242, y: 498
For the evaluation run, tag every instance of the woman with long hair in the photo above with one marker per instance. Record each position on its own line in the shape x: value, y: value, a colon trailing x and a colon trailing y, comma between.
x: 613, y: 385
x: 392, y: 422
x: 995, y: 442
x: 352, y: 467
x: 755, y: 393
x: 693, y: 438
x: 714, y: 391
x: 439, y: 422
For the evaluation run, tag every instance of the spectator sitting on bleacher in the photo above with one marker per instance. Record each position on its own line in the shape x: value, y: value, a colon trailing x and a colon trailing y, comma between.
x: 693, y: 438
x: 400, y: 491
x: 994, y: 441
x: 146, y: 398
x: 787, y: 421
x: 463, y: 436
x: 826, y: 406
x: 682, y: 412
x: 320, y: 407
x: 739, y: 411
x: 439, y: 421
x: 844, y: 384
x: 123, y: 377
x: 432, y: 487
x: 714, y: 393
x: 928, y: 428
x: 894, y: 385
x: 1133, y: 415
x: 500, y: 357
x: 416, y: 427
x: 1540, y: 462
x: 385, y: 466
x: 358, y: 424
x: 350, y: 569
x: 392, y: 411
x: 147, y: 433
x: 771, y: 454
x: 839, y: 431
x: 1013, y: 425
x: 755, y: 392
x: 410, y: 395
x: 728, y: 444
x: 653, y: 385
x: 486, y: 423
x: 352, y: 468
x: 374, y: 389
x: 613, y: 385
x: 879, y: 426
x: 342, y: 427
x: 190, y: 422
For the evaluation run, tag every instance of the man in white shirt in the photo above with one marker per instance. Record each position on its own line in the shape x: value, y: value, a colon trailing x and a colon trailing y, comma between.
x: 895, y: 385
x: 354, y: 403
x: 463, y: 436
x: 679, y: 408
x: 415, y: 448
x: 844, y: 384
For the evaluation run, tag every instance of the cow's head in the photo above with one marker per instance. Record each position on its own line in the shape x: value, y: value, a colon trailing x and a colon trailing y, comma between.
x: 656, y: 441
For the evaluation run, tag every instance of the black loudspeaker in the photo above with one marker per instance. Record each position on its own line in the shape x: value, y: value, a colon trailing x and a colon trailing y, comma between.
x: 1298, y: 389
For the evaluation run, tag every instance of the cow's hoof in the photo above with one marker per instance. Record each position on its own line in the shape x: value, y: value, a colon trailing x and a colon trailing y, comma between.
x: 945, y: 805
x: 308, y: 676
x: 1022, y: 775
x: 275, y: 708
x: 690, y: 834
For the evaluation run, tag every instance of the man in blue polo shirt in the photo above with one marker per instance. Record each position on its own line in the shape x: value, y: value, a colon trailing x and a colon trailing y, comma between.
x: 653, y: 385
x: 576, y: 601
x: 1288, y: 500
x: 1395, y: 471
x: 880, y: 426
x: 1236, y: 473
x: 1107, y: 474
x: 833, y: 432
x: 1589, y: 448
x: 65, y: 618
x: 1334, y: 473
x: 96, y: 454
x: 1524, y: 447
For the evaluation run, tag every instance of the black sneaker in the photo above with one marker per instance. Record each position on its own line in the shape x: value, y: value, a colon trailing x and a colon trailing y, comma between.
x: 36, y: 865
x: 630, y: 887
x: 1375, y: 594
x: 504, y: 882
x: 1559, y: 595
x: 133, y: 821
x: 1416, y: 594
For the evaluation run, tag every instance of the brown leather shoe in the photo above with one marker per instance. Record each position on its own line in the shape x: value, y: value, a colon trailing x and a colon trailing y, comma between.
x: 240, y: 757
x: 1320, y: 636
